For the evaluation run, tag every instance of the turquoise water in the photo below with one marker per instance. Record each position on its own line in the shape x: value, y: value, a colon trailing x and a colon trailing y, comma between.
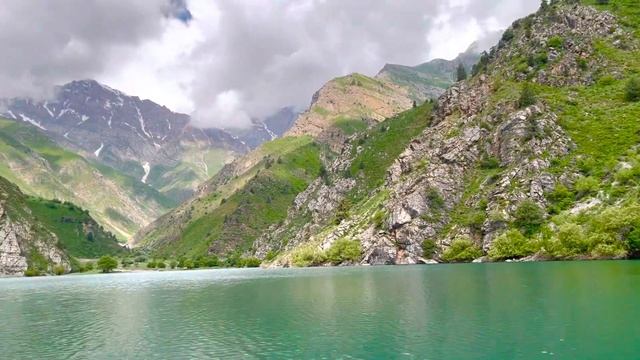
x: 480, y: 311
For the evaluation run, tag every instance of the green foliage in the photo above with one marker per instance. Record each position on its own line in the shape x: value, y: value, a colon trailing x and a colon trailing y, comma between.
x: 528, y: 217
x: 461, y: 72
x: 161, y: 265
x: 31, y: 271
x: 271, y: 255
x: 510, y: 245
x: 434, y: 199
x: 173, y: 264
x: 527, y: 96
x: 107, y: 264
x: 555, y: 42
x: 251, y: 262
x: 490, y: 162
x: 344, y: 250
x: 59, y: 270
x: 632, y: 90
x: 69, y: 222
x: 561, y: 198
x: 586, y: 186
x: 342, y: 212
x: 429, y: 248
x: 88, y: 266
x: 349, y: 126
x: 308, y: 256
x: 152, y: 264
x: 507, y: 35
x: 462, y: 250
x: 126, y: 262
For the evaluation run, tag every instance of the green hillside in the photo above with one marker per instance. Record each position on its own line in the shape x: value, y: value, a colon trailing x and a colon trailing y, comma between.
x: 40, y: 167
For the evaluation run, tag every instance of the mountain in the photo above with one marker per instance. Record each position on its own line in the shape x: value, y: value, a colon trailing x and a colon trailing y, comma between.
x: 41, y: 235
x: 429, y: 80
x: 41, y: 167
x: 349, y: 104
x: 139, y: 138
x: 272, y: 127
x: 534, y: 157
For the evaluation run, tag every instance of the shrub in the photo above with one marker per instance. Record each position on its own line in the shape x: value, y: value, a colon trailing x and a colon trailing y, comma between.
x: 308, y: 256
x: 126, y: 262
x: 608, y: 251
x: 572, y: 240
x: 490, y: 162
x: 173, y: 264
x: 251, y: 262
x: 270, y: 255
x: 527, y: 96
x: 106, y: 264
x: 88, y: 266
x: 344, y: 250
x: 560, y: 198
x: 31, y: 271
x: 587, y: 186
x: 152, y: 264
x: 59, y: 270
x: 461, y: 74
x: 161, y: 265
x: 429, y: 248
x: 632, y: 90
x: 555, y: 42
x: 188, y: 264
x: 528, y: 217
x: 462, y: 250
x: 507, y: 35
x: 435, y: 200
x: 510, y: 245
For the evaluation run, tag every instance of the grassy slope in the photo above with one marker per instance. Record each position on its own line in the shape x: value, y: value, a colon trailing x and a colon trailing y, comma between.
x: 78, y: 234
x: 40, y: 167
x: 68, y: 222
x: 606, y: 131
x: 232, y: 217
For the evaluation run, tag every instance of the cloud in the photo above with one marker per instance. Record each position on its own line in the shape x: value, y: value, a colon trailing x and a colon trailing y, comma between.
x: 228, y: 61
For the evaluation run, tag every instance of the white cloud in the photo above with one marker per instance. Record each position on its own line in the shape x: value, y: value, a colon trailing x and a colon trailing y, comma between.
x: 235, y: 59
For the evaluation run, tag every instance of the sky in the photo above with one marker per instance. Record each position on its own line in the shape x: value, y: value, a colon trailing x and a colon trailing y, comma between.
x: 227, y: 61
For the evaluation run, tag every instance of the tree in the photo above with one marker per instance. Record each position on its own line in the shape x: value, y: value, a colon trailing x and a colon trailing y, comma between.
x: 461, y: 72
x: 527, y: 96
x: 528, y: 217
x: 632, y: 92
x: 107, y: 264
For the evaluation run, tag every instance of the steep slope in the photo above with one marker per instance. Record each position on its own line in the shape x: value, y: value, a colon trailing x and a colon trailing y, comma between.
x: 535, y: 156
x: 137, y: 137
x: 40, y: 167
x: 429, y: 80
x: 40, y: 234
x: 239, y: 203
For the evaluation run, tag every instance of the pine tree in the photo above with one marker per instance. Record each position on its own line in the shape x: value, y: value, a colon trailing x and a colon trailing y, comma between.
x: 461, y: 73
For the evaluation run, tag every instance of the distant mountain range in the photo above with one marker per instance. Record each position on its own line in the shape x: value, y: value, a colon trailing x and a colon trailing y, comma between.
x: 125, y: 159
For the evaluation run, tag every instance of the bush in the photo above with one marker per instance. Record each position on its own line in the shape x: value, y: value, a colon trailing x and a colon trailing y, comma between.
x: 510, y: 245
x: 152, y: 264
x: 173, y: 264
x: 308, y: 256
x: 586, y: 186
x: 528, y: 217
x: 161, y: 265
x: 527, y: 96
x: 188, y: 264
x: 31, y: 271
x: 106, y: 264
x: 344, y: 250
x: 59, y: 270
x: 632, y: 90
x: 88, y: 266
x: 429, y: 248
x: 561, y: 198
x: 462, y: 250
x: 490, y: 162
x: 555, y: 42
x: 572, y: 240
x: 126, y: 262
x: 270, y: 255
x: 251, y: 262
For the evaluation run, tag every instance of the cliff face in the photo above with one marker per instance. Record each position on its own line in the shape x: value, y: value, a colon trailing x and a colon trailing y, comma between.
x: 498, y: 148
x: 24, y: 241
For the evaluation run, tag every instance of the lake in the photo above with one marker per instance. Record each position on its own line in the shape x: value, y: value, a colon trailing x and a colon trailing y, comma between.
x: 563, y: 310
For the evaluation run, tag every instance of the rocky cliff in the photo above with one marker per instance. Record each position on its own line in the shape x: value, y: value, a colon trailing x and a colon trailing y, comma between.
x: 502, y: 158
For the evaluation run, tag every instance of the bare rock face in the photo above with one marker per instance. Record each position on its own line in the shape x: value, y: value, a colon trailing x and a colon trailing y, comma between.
x: 12, y: 262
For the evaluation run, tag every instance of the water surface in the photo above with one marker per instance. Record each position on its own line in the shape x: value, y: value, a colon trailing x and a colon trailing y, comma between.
x: 481, y: 311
